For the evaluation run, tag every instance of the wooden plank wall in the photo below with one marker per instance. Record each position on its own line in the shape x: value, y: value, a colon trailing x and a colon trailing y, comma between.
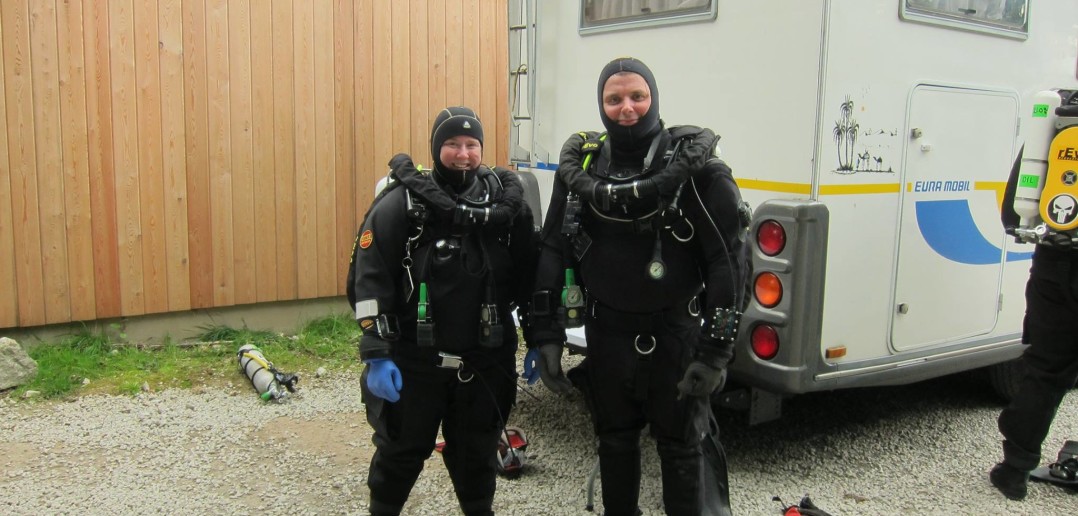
x: 167, y: 155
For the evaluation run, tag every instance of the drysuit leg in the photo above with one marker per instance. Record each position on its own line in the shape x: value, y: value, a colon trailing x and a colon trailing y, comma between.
x: 679, y: 424
x: 1051, y: 360
x: 619, y: 469
x: 617, y: 417
x: 404, y: 434
x: 471, y: 429
x: 682, y: 471
x: 1026, y: 421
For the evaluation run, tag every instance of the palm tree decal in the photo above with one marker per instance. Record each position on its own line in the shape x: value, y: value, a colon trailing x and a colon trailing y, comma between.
x: 845, y: 136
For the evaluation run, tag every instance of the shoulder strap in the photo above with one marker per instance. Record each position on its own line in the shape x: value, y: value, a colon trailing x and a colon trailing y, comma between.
x: 591, y: 145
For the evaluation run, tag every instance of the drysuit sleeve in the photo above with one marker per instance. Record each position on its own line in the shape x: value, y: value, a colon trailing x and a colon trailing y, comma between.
x: 377, y: 280
x: 509, y: 202
x: 571, y: 166
x: 525, y: 252
x: 719, y: 197
x: 549, y: 273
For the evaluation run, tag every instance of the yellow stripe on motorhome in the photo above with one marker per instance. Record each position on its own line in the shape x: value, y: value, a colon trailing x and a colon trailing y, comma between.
x: 773, y: 186
x: 805, y: 188
x: 876, y: 188
x: 999, y: 187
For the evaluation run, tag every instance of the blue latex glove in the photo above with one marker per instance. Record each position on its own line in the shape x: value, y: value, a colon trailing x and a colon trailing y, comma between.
x: 531, y: 366
x: 384, y: 379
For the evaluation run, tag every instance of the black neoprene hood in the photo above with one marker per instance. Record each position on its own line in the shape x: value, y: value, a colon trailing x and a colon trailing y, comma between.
x: 645, y: 129
x: 451, y: 122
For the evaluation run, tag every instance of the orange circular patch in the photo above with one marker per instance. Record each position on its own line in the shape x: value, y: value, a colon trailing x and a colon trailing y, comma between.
x: 366, y: 239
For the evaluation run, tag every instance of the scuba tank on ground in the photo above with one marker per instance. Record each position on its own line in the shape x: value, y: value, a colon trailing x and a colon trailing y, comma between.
x: 270, y: 383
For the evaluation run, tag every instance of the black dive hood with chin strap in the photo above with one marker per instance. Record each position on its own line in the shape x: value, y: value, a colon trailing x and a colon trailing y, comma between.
x: 631, y: 139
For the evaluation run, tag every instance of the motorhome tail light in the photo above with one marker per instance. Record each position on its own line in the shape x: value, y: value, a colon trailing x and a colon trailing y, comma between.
x: 771, y: 237
x: 768, y: 289
x: 765, y: 341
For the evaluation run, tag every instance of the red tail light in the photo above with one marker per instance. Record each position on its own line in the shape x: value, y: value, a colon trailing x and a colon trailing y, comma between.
x: 765, y: 341
x: 771, y: 237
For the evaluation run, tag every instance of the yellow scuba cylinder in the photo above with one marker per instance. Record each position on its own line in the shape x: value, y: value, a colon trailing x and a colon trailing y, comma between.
x: 1045, y: 182
x: 1059, y: 199
x: 1039, y: 129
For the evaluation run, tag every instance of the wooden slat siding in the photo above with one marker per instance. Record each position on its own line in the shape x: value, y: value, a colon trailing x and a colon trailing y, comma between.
x: 284, y: 145
x: 400, y: 97
x: 141, y: 179
x: 106, y: 253
x: 44, y: 57
x: 325, y: 141
x: 265, y: 192
x: 50, y: 179
x: 454, y: 49
x: 217, y: 82
x: 501, y: 80
x: 22, y: 162
x: 305, y: 214
x: 419, y: 75
x: 197, y: 138
x: 75, y: 153
x: 382, y: 77
x: 125, y: 144
x: 487, y: 58
x: 436, y: 67
x: 9, y: 306
x: 150, y: 156
x: 470, y: 55
x: 243, y: 227
x: 365, y: 86
x: 174, y: 142
x: 344, y: 147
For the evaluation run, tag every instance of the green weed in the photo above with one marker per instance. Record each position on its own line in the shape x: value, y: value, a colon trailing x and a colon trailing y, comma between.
x: 90, y: 363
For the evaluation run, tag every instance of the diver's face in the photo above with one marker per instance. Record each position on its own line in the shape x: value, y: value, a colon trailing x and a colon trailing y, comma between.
x: 461, y: 153
x: 626, y: 98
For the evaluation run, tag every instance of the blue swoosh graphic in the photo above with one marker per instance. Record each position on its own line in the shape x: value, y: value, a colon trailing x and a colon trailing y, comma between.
x: 948, y: 228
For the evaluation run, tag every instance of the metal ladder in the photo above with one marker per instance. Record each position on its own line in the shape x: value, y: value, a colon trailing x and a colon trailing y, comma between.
x: 523, y: 50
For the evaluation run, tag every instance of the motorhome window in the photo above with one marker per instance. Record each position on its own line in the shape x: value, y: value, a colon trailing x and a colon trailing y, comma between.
x: 1001, y: 17
x: 611, y: 15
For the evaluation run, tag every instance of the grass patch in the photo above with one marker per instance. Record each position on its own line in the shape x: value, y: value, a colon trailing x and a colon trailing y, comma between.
x: 96, y: 363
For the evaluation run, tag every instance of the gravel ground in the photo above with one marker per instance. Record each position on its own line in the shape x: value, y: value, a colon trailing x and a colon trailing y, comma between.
x: 921, y: 449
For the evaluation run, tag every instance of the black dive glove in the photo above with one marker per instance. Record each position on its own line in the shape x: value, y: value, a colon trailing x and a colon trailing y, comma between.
x: 701, y: 380
x: 706, y: 374
x: 691, y: 158
x: 546, y: 360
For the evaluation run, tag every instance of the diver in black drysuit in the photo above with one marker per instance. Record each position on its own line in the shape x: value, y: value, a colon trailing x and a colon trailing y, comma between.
x: 458, y: 245
x: 658, y: 250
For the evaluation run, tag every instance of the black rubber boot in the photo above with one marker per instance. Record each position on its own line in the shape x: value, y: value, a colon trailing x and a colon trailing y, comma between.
x: 1010, y: 481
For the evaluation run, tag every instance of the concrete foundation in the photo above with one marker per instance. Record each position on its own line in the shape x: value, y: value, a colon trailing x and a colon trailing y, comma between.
x: 286, y: 317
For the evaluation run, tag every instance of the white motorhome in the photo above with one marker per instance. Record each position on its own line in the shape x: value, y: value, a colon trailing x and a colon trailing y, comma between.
x: 873, y: 138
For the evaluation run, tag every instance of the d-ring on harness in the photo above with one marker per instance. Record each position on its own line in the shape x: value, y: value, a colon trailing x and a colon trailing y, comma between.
x: 642, y: 378
x: 450, y: 361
